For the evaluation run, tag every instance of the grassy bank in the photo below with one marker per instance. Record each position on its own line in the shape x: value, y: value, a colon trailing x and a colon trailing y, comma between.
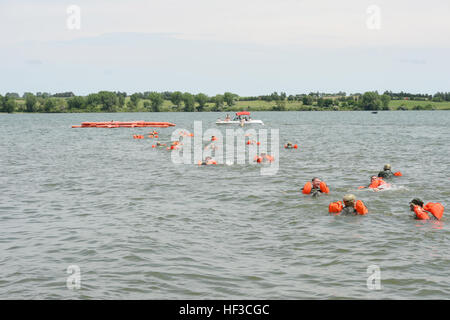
x: 63, y: 104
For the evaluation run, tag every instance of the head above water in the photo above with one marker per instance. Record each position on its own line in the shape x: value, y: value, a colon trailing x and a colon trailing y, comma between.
x: 316, y: 182
x: 387, y: 167
x: 349, y: 199
x: 415, y: 202
x: 373, y: 178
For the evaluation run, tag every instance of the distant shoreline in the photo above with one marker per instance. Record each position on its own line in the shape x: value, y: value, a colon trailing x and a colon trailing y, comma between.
x: 110, y: 102
x: 223, y: 112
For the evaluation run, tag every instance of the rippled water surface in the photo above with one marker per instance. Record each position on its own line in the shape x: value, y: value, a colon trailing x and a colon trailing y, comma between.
x: 141, y: 227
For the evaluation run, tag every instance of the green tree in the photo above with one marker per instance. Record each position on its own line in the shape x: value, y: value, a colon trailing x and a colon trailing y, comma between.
x: 218, y: 103
x: 385, y: 99
x: 121, y: 98
x: 49, y: 105
x: 156, y: 101
x: 12, y: 95
x: 30, y: 102
x: 108, y: 100
x: 370, y: 101
x: 307, y: 100
x: 327, y: 103
x: 320, y: 102
x: 274, y: 96
x: 229, y: 98
x: 280, y: 105
x: 93, y: 100
x: 76, y: 103
x: 201, y: 99
x: 177, y: 98
x: 8, y: 105
x: 189, y: 102
x: 134, y: 100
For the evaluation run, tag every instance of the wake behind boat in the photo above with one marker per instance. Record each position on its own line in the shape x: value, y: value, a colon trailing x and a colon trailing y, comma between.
x: 241, y: 118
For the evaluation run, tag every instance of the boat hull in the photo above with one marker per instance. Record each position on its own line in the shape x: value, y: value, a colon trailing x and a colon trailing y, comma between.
x: 238, y: 122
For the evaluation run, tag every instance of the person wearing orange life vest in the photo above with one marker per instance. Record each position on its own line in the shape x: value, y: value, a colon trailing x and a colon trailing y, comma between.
x: 351, y: 207
x: 264, y: 158
x: 422, y: 211
x: 208, y: 161
x: 387, y: 173
x: 377, y: 183
x: 315, y: 187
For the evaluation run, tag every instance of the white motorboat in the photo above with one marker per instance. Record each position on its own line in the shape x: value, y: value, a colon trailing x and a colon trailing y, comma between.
x: 241, y: 118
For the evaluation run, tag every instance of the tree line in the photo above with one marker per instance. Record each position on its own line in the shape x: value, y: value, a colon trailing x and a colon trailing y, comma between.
x: 152, y: 101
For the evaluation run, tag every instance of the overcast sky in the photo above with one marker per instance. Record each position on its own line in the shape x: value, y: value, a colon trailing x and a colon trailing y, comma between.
x: 249, y: 47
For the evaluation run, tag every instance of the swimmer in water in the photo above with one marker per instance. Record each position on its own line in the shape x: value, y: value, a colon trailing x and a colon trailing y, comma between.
x: 208, y: 160
x: 353, y: 207
x: 386, y: 173
x: 264, y: 158
x: 422, y: 211
x: 349, y: 205
x: 377, y: 184
x: 315, y: 188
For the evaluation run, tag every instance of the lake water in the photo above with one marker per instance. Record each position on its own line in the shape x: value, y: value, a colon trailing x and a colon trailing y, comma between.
x: 140, y: 227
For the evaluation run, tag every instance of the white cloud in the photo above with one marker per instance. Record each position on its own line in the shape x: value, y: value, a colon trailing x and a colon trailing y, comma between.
x: 246, y: 46
x: 326, y: 23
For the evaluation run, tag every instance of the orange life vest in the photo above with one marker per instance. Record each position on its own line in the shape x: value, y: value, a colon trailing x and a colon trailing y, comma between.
x: 360, y: 207
x: 335, y: 207
x: 398, y: 174
x: 207, y: 162
x: 421, y: 214
x: 376, y: 183
x: 307, y: 188
x: 323, y: 187
x: 436, y: 209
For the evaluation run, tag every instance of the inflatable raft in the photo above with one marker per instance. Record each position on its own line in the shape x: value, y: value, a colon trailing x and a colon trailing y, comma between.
x: 120, y: 124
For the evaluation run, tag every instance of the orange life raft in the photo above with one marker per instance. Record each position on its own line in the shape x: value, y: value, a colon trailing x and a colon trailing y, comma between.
x: 124, y: 124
